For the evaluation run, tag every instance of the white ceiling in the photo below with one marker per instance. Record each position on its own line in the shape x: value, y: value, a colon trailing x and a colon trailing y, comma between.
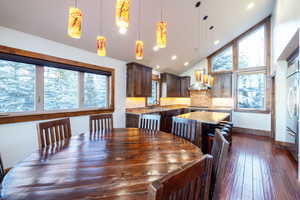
x: 188, y: 36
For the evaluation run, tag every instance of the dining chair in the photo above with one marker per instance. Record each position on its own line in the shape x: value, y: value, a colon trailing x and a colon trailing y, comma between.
x: 219, y: 153
x: 2, y: 172
x: 101, y: 122
x: 149, y: 122
x: 191, y: 182
x: 187, y: 129
x: 52, y: 132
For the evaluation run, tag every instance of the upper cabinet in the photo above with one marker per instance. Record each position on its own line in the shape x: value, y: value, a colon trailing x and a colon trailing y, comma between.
x: 139, y: 80
x: 174, y: 86
x: 223, y: 85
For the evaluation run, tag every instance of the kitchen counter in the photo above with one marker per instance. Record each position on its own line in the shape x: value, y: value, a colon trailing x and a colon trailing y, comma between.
x: 206, y: 117
x: 148, y: 110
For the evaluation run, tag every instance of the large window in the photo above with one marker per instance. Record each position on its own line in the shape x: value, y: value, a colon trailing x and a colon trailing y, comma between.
x: 28, y: 88
x: 252, y: 49
x: 251, y: 91
x: 17, y: 87
x: 154, y: 100
x: 223, y: 61
x: 95, y: 91
x: 246, y: 57
x: 60, y: 89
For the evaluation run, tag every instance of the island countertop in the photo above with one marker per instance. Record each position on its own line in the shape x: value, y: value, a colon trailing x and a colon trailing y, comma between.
x: 206, y: 117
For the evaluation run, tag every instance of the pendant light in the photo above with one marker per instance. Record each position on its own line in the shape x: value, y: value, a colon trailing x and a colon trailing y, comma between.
x: 122, y: 15
x: 139, y: 45
x: 161, y: 31
x: 74, y: 22
x: 101, y: 40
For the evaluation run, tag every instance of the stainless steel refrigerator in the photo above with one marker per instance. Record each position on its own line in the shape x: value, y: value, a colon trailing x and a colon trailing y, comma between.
x: 293, y: 105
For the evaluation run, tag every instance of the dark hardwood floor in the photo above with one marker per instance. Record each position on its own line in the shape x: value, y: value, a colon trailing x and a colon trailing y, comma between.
x: 257, y: 170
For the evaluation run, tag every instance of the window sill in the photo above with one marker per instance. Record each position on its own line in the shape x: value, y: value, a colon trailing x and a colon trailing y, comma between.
x: 16, y: 118
x: 253, y: 111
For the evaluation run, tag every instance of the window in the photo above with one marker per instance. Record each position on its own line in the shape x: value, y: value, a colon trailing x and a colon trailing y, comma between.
x: 155, y: 94
x: 60, y: 89
x: 95, y: 91
x: 223, y: 61
x: 27, y: 88
x: 251, y: 49
x: 251, y: 91
x: 17, y: 87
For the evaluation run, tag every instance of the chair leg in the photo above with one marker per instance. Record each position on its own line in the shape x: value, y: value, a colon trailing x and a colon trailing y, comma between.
x: 210, y: 140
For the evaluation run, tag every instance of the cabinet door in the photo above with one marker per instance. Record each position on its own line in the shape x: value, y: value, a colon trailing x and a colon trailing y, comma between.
x: 223, y: 85
x: 147, y: 82
x: 184, y: 86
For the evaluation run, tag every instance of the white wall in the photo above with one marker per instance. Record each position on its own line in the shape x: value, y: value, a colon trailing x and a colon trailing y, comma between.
x: 19, y: 140
x: 257, y: 121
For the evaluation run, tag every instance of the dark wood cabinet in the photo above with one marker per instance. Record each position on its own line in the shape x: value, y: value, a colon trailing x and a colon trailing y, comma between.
x: 139, y: 78
x: 185, y: 83
x: 223, y: 85
x: 174, y: 86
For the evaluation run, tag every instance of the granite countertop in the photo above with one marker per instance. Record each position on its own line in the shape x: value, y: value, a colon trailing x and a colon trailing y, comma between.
x: 148, y: 110
x: 205, y: 117
x: 145, y: 110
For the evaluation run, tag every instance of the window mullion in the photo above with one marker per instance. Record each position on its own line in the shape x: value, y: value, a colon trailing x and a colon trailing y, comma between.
x: 81, y: 89
x: 39, y: 89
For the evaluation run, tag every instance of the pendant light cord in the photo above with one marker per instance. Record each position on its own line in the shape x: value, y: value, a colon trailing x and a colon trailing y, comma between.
x: 101, y: 16
x: 161, y: 10
x: 140, y: 8
x: 76, y: 4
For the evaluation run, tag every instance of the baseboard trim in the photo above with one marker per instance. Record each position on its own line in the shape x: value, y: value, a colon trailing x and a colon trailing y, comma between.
x: 283, y: 145
x: 239, y: 130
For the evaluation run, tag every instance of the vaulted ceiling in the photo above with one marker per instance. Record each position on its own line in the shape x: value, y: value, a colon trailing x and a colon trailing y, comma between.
x: 189, y: 36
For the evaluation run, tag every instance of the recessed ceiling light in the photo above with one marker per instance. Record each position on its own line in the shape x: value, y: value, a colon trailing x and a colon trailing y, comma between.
x: 217, y: 42
x: 250, y: 5
x: 174, y: 57
x: 122, y: 31
x: 157, y: 66
x: 186, y: 63
x: 155, y: 48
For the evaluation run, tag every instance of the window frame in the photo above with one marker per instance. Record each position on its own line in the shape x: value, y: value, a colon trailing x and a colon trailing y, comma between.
x: 40, y: 113
x: 236, y: 71
x: 155, y: 78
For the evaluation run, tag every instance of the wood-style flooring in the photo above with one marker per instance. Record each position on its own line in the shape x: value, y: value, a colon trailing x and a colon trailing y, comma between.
x: 258, y: 170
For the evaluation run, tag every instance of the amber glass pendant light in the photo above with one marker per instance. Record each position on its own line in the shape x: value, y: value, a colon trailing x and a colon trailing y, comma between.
x: 139, y: 44
x: 122, y: 15
x: 74, y: 22
x: 101, y: 40
x: 161, y: 31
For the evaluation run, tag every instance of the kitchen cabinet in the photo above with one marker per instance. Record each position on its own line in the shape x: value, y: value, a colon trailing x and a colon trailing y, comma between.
x: 185, y: 83
x: 223, y: 85
x: 174, y: 86
x: 139, y: 80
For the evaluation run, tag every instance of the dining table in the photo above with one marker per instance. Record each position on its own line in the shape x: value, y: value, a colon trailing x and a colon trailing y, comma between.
x: 116, y: 164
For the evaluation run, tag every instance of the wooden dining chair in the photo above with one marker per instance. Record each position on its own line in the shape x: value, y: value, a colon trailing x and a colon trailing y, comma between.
x: 52, y: 132
x: 101, y: 122
x: 192, y: 182
x: 149, y: 122
x: 2, y: 172
x: 187, y: 129
x: 219, y: 153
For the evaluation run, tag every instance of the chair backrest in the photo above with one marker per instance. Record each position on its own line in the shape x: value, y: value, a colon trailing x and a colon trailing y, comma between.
x: 101, y: 122
x: 186, y: 128
x: 53, y: 132
x: 1, y: 170
x: 192, y: 182
x: 150, y: 122
x: 219, y: 153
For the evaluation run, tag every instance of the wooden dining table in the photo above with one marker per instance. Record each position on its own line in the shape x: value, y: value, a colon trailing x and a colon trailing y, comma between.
x: 116, y: 164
